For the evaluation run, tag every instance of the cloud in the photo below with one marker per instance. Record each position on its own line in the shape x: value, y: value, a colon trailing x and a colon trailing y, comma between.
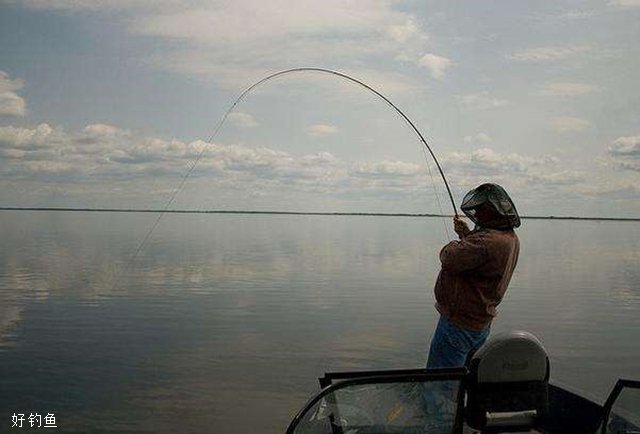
x: 405, y: 32
x: 99, y: 134
x: 10, y: 103
x: 486, y: 161
x: 9, y: 85
x: 101, y: 153
x: 513, y: 169
x: 437, y: 65
x: 579, y: 14
x: 236, y: 43
x: 627, y: 146
x: 103, y: 161
x: 550, y: 53
x: 105, y: 151
x: 568, y: 124
x: 321, y: 130
x: 98, y: 150
x: 624, y: 153
x: 624, y: 3
x: 104, y: 130
x: 309, y: 30
x: 628, y: 165
x: 25, y: 138
x: 566, y: 89
x: 482, y: 101
x: 387, y: 82
x: 610, y: 190
x: 92, y: 5
x: 242, y: 120
x: 388, y: 168
x: 556, y: 178
x: 234, y: 76
x: 223, y: 23
x: 478, y: 138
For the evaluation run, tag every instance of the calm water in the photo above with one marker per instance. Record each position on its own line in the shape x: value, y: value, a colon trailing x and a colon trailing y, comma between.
x: 223, y: 323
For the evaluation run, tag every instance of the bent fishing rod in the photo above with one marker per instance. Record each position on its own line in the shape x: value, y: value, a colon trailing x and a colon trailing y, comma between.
x: 242, y: 96
x: 353, y: 80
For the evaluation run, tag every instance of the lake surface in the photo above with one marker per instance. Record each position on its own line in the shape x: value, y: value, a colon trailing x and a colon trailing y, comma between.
x: 223, y: 322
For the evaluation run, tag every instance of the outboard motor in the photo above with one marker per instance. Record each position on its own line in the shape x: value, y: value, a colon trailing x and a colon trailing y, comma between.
x: 508, y: 383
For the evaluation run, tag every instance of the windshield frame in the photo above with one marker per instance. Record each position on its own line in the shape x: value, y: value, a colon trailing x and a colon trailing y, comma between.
x: 347, y: 379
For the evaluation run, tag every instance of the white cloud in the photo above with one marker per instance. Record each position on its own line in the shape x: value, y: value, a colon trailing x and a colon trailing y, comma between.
x: 478, y: 138
x: 387, y: 82
x: 482, y: 101
x: 578, y: 14
x: 104, y: 158
x: 550, y: 53
x: 236, y: 43
x: 224, y: 23
x: 566, y: 89
x: 405, y: 32
x: 100, y: 155
x: 106, y: 153
x: 624, y: 3
x: 97, y: 149
x: 240, y: 73
x: 93, y: 5
x: 555, y: 178
x: 520, y: 172
x: 104, y: 130
x: 615, y: 190
x: 12, y: 153
x: 321, y: 130
x: 388, y: 168
x: 9, y: 85
x: 39, y: 137
x: 486, y: 161
x: 242, y: 120
x: 625, y: 146
x: 437, y: 65
x: 624, y: 153
x: 11, y: 104
x: 568, y: 124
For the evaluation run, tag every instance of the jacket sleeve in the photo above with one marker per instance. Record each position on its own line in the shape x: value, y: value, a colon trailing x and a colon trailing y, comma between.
x: 464, y: 255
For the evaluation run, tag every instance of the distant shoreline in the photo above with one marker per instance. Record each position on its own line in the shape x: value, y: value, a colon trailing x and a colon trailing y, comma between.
x: 368, y: 214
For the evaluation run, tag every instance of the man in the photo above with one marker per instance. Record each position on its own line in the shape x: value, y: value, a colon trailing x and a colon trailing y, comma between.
x: 475, y: 273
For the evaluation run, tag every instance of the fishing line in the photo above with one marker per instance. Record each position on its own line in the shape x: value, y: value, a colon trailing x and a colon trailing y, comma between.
x: 435, y: 191
x: 233, y: 106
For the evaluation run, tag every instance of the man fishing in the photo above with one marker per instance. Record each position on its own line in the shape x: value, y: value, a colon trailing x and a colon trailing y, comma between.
x: 475, y: 273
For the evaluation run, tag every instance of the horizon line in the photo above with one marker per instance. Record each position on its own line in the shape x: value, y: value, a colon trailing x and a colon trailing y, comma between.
x: 328, y: 213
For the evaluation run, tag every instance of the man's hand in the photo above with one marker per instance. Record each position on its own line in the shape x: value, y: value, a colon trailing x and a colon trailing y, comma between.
x: 460, y: 227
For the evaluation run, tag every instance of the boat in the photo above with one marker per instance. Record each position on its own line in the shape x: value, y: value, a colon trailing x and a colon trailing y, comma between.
x: 504, y: 387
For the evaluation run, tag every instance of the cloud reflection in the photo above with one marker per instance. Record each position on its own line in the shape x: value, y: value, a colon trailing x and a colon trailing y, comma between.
x: 230, y: 313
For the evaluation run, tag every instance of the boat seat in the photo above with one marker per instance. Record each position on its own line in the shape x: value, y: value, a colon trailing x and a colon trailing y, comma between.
x: 507, y: 385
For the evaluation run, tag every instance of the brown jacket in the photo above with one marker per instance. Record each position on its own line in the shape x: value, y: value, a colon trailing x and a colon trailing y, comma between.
x: 474, y: 277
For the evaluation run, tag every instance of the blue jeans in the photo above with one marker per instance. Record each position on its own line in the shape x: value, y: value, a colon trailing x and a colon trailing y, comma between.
x: 452, y: 344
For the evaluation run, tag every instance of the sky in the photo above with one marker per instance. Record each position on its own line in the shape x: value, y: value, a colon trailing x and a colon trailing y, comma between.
x: 111, y: 103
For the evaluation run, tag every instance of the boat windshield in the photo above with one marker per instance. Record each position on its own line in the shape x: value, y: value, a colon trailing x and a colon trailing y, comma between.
x: 622, y: 409
x: 388, y: 404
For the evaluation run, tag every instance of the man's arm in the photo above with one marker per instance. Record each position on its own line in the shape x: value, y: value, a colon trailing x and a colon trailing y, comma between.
x: 464, y: 255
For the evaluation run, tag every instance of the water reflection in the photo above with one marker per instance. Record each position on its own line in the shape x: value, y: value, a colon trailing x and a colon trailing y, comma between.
x: 226, y: 321
x: 626, y: 287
